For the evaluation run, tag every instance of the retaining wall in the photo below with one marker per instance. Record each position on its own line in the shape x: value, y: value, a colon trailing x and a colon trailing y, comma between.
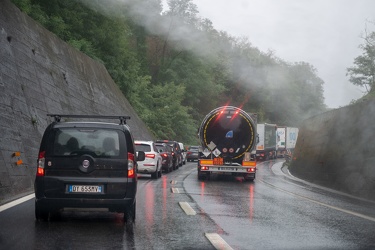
x: 337, y: 149
x: 40, y: 74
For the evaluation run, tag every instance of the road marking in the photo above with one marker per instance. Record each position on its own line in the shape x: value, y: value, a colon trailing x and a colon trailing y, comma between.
x: 16, y: 202
x: 173, y: 182
x: 187, y: 208
x: 323, y: 204
x: 175, y: 190
x: 217, y: 241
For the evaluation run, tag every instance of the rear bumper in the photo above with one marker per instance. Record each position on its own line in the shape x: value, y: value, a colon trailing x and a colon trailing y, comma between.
x: 146, y: 169
x: 55, y: 204
x: 192, y: 158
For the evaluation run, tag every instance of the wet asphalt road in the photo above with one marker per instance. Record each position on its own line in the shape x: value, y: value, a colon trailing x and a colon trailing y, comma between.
x: 276, y: 211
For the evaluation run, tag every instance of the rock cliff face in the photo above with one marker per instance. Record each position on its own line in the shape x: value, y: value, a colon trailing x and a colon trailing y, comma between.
x: 337, y: 149
x: 40, y: 74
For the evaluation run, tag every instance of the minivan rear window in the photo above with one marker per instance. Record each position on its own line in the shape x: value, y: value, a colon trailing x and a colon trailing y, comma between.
x: 79, y: 141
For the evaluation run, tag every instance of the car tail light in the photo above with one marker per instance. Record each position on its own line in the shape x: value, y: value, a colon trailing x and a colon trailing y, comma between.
x: 172, y: 154
x: 41, y: 161
x: 150, y: 156
x: 164, y: 155
x: 131, y: 172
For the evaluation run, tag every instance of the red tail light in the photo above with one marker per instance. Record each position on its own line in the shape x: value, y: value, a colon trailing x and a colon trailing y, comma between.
x: 150, y: 156
x: 251, y: 170
x: 164, y: 155
x: 131, y: 172
x: 41, y: 161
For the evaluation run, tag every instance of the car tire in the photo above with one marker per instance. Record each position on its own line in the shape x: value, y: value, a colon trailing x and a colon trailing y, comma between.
x: 129, y: 217
x: 40, y: 214
x: 171, y: 167
x: 155, y: 175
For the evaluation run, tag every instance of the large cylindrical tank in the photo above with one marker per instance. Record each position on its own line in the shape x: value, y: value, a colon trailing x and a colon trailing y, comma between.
x: 228, y: 132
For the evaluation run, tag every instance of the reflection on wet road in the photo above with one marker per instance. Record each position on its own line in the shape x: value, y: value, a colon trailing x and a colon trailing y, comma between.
x: 177, y: 211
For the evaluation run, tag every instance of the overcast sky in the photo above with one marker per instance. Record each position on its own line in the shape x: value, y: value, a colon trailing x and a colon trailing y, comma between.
x: 324, y: 33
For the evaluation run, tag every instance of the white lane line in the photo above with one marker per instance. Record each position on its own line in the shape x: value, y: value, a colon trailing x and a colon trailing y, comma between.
x: 16, y: 202
x: 187, y: 208
x: 217, y: 241
x: 323, y: 204
x: 175, y: 190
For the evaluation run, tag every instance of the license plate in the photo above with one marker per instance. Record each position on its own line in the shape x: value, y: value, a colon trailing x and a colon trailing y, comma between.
x: 84, y: 189
x: 227, y: 169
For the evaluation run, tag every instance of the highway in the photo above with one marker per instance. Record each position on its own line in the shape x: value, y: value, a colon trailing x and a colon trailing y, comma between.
x: 176, y: 211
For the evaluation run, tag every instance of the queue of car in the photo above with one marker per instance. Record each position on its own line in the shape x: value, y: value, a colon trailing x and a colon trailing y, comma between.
x: 160, y: 156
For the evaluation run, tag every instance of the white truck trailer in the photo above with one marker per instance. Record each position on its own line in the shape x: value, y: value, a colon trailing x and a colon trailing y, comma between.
x: 287, y: 138
x: 267, y: 141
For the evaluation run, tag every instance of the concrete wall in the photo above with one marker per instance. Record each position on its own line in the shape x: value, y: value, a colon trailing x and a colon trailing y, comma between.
x: 40, y: 74
x: 337, y: 149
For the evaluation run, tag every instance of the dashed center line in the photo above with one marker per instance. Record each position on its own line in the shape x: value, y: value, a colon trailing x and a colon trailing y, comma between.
x: 187, y: 208
x: 217, y: 241
x: 175, y: 190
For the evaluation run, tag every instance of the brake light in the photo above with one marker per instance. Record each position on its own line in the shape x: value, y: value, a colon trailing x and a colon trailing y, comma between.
x: 131, y: 173
x: 41, y: 161
x: 204, y: 168
x: 172, y: 154
x: 251, y: 170
x: 164, y: 155
x: 150, y: 156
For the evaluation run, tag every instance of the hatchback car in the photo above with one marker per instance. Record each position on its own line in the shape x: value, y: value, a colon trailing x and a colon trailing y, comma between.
x: 193, y: 153
x: 86, y: 165
x: 166, y: 155
x: 152, y: 164
x: 176, y: 152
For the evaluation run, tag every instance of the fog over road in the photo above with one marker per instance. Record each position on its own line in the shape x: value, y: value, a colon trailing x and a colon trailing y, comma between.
x: 276, y: 211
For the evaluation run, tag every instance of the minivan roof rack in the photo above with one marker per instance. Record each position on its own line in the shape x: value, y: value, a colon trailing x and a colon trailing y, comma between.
x: 122, y: 118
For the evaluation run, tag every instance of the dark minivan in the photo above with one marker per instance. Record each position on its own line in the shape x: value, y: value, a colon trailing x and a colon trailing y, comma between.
x: 87, y: 165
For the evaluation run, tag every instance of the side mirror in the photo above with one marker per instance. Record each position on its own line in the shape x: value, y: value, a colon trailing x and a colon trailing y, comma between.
x: 141, y: 156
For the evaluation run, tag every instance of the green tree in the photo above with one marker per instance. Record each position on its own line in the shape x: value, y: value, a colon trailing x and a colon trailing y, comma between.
x: 363, y: 72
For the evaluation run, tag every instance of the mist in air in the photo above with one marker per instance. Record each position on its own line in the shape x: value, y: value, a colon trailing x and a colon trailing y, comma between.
x: 196, y: 34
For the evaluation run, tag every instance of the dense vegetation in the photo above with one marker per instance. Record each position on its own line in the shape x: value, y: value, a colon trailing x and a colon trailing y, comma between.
x: 174, y: 67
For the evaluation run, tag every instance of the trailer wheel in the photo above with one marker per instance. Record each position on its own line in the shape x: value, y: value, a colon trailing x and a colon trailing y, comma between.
x: 247, y: 178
